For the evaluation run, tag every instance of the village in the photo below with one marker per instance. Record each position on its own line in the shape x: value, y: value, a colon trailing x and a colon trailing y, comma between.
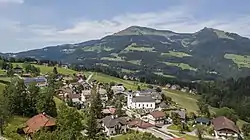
x: 144, y: 110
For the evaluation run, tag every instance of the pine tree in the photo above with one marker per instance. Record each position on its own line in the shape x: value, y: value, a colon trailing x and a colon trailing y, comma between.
x: 46, y: 103
x: 55, y: 71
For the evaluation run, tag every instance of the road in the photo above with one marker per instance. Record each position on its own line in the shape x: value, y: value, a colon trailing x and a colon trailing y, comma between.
x: 155, y: 133
x: 90, y: 76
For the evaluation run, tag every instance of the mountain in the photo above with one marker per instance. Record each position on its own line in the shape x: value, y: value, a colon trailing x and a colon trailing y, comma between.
x: 206, y: 54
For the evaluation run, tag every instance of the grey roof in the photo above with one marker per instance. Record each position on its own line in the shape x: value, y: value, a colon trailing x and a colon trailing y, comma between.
x: 182, y: 114
x: 202, y: 120
x: 163, y: 105
x: 36, y: 80
x: 143, y: 99
x: 110, y: 121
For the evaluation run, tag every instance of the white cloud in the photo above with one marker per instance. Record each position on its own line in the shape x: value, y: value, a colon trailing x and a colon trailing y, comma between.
x: 175, y: 20
x: 12, y: 1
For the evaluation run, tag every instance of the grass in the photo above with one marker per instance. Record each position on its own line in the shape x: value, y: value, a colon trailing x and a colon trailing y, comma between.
x: 176, y: 54
x: 164, y: 75
x: 5, y: 79
x: 107, y: 79
x: 184, y: 100
x: 97, y: 49
x: 2, y: 72
x: 102, y: 64
x: 127, y: 71
x: 222, y: 34
x: 2, y: 86
x: 136, y: 62
x: 134, y: 47
x: 10, y: 130
x: 114, y: 57
x: 173, y: 127
x: 187, y: 137
x: 183, y: 66
x: 240, y: 60
x: 47, y: 69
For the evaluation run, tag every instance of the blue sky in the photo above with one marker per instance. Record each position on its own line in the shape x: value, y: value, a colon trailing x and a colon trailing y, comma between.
x: 29, y: 24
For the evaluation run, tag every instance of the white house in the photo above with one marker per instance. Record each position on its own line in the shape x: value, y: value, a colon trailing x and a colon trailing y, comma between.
x: 118, y: 88
x: 140, y: 102
x: 156, y: 118
x: 113, y: 125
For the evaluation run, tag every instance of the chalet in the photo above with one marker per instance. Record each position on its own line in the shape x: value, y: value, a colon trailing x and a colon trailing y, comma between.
x: 156, y: 118
x: 38, y: 122
x: 113, y: 125
x: 224, y: 128
x: 138, y: 123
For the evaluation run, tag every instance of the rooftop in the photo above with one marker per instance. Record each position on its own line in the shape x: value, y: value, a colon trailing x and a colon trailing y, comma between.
x: 39, y: 121
x: 143, y: 99
x: 112, y: 121
x: 157, y: 114
x: 222, y: 123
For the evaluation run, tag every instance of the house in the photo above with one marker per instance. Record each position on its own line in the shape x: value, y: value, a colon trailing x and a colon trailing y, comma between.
x: 181, y: 113
x: 202, y: 121
x: 76, y: 98
x: 18, y: 70
x: 138, y: 123
x: 39, y: 121
x: 163, y: 106
x: 113, y: 125
x: 118, y: 89
x: 109, y: 111
x: 140, y: 102
x: 223, y: 127
x: 40, y: 81
x: 156, y: 118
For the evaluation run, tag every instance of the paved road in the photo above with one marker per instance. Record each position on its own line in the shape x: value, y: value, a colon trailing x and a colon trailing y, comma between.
x: 90, y: 76
x: 160, y: 134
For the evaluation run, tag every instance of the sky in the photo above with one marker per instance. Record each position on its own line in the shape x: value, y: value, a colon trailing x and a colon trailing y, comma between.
x: 31, y: 24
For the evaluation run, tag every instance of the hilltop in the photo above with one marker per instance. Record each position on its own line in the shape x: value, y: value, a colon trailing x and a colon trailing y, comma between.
x: 207, y: 54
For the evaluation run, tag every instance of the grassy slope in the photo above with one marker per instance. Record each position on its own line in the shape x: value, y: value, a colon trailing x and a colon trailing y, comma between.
x: 183, y: 66
x: 107, y: 79
x: 45, y: 69
x: 175, y: 54
x: 240, y: 60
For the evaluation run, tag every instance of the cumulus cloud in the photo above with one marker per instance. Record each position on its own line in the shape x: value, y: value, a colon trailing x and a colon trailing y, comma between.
x: 175, y: 20
x: 12, y: 1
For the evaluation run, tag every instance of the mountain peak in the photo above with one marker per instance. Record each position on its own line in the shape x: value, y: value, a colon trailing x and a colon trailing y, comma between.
x: 139, y: 30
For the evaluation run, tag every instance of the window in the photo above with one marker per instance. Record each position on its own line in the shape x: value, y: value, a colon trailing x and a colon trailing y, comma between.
x: 142, y: 105
x: 147, y: 105
x: 139, y: 105
x: 151, y: 105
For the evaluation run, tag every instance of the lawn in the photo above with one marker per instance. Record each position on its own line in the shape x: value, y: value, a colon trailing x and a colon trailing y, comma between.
x: 107, y: 79
x: 46, y: 69
x: 187, y: 137
x: 176, y: 54
x: 240, y: 60
x: 183, y: 66
x: 184, y: 100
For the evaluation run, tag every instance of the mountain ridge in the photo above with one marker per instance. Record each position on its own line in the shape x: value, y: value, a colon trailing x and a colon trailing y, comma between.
x: 206, y: 54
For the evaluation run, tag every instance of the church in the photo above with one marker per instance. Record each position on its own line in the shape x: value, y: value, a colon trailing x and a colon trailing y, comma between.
x: 140, y: 102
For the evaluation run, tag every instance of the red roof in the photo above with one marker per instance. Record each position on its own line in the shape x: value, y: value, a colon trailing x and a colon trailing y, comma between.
x: 39, y: 121
x: 157, y: 114
x: 222, y: 123
x: 139, y: 123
